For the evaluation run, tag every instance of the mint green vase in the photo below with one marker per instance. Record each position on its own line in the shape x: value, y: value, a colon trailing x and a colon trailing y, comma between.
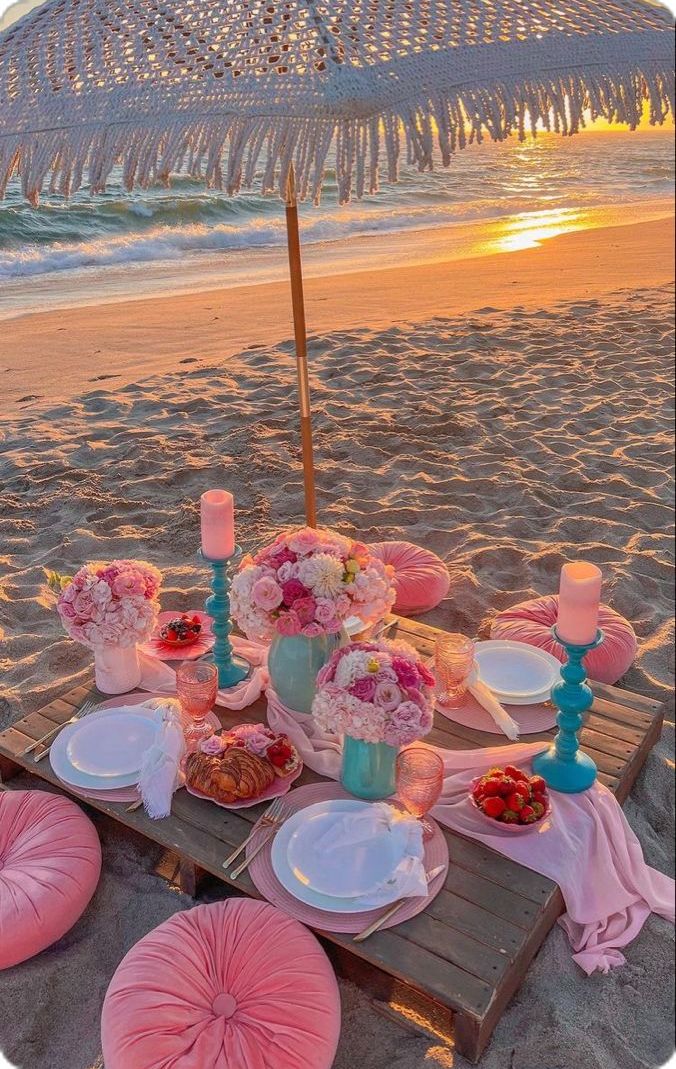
x: 369, y: 768
x: 293, y: 663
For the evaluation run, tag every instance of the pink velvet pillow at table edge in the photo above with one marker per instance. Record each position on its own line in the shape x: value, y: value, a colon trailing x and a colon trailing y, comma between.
x: 50, y: 863
x: 233, y: 985
x: 530, y: 622
x: 421, y: 579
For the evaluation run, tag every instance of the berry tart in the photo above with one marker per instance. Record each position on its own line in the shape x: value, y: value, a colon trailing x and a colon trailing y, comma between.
x: 181, y: 630
x: 511, y: 797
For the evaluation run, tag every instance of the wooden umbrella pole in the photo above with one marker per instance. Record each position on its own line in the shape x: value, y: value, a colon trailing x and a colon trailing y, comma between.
x: 298, y: 302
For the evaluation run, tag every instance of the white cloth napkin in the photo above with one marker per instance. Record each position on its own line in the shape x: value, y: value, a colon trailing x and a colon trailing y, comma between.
x: 160, y: 678
x: 407, y: 879
x: 161, y: 764
x: 487, y: 700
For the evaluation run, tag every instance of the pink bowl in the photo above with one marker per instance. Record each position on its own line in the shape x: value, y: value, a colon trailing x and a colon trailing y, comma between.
x: 508, y: 827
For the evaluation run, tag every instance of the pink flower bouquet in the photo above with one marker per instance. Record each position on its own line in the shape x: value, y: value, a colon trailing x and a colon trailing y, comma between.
x: 307, y: 583
x: 109, y: 604
x: 377, y: 692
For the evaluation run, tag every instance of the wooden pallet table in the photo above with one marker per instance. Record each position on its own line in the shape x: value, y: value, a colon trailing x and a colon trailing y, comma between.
x: 465, y: 956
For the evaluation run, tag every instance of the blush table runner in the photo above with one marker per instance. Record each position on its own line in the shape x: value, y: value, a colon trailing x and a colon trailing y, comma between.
x: 585, y: 846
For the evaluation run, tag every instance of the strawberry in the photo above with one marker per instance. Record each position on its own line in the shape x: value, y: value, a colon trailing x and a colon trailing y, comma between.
x: 515, y: 801
x: 541, y: 799
x: 527, y: 815
x: 538, y: 809
x: 509, y: 817
x: 492, y: 786
x: 507, y: 785
x: 479, y: 791
x: 515, y: 773
x: 538, y: 785
x: 279, y: 753
x: 493, y: 807
x: 523, y: 788
x: 495, y: 771
x: 172, y: 635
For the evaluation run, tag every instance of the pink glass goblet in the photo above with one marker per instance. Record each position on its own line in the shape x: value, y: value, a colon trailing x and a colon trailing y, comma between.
x: 453, y: 662
x: 197, y: 687
x: 420, y: 779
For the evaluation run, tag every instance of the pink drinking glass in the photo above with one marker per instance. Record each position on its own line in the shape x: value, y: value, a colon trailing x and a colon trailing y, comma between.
x: 453, y: 662
x: 420, y: 779
x: 196, y: 687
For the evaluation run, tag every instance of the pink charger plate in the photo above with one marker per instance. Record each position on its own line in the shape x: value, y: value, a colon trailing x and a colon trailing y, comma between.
x: 125, y: 794
x: 279, y: 787
x: 164, y: 651
x: 531, y: 719
x: 263, y: 876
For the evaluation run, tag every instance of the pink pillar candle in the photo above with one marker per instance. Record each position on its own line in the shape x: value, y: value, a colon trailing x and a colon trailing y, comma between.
x: 579, y: 599
x: 217, y: 519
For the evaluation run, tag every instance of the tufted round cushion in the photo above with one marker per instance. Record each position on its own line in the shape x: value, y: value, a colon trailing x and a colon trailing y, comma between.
x: 531, y: 622
x: 421, y: 579
x: 50, y: 862
x: 234, y: 985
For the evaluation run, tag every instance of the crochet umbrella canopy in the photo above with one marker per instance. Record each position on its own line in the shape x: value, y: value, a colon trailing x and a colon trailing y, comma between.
x: 263, y: 92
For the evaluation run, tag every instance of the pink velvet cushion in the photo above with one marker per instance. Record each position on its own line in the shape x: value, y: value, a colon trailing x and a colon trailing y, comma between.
x: 234, y: 985
x: 50, y: 862
x: 421, y: 578
x: 531, y: 622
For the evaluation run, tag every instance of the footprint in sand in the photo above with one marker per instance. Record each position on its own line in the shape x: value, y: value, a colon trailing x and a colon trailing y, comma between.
x: 29, y: 397
x: 188, y: 360
x: 100, y: 378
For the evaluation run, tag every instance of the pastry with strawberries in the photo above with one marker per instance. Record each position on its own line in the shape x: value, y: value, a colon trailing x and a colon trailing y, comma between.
x: 182, y: 630
x: 510, y: 796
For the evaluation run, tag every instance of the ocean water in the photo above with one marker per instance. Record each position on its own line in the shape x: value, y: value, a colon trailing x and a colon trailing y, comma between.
x: 546, y: 177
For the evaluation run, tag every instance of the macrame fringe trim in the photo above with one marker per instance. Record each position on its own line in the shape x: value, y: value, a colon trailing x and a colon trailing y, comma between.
x: 230, y: 153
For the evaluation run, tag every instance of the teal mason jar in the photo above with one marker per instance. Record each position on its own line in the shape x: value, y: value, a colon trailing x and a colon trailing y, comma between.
x: 293, y: 663
x: 369, y: 768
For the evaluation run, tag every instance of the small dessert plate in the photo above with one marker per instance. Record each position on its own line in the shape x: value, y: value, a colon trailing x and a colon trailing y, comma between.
x: 279, y: 787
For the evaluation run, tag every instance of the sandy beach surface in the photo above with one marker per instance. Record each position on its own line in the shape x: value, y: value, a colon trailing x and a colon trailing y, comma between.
x: 510, y: 413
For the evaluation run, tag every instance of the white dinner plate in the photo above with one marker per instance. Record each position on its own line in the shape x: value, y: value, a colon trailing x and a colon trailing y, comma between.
x: 345, y: 871
x: 110, y: 746
x: 64, y: 769
x: 290, y: 881
x: 516, y: 672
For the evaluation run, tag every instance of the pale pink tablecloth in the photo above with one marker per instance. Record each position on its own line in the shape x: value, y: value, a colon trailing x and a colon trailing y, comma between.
x: 586, y: 846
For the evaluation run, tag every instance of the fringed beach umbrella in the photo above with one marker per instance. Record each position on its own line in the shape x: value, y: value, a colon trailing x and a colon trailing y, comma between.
x: 264, y: 92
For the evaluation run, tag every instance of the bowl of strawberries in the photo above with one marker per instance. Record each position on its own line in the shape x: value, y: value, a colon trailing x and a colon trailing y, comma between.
x: 510, y: 797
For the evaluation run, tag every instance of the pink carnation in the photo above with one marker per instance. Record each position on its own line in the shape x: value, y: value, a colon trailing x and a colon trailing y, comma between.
x: 425, y: 674
x: 407, y: 673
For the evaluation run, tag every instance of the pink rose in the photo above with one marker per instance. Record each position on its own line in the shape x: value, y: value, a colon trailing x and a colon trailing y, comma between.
x: 285, y: 572
x: 364, y: 688
x: 325, y: 610
x: 304, y: 541
x: 292, y: 590
x: 305, y: 609
x: 406, y: 672
x: 332, y: 627
x: 313, y: 630
x: 66, y: 610
x: 84, y: 604
x: 387, y: 695
x: 258, y: 742
x: 128, y: 584
x: 267, y: 594
x: 215, y: 745
x: 288, y: 623
x: 343, y: 605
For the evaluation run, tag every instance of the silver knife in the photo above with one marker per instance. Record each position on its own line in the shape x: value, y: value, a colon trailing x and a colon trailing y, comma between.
x: 394, y: 908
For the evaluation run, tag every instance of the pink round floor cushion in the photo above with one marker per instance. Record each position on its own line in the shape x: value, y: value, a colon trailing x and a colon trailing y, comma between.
x: 421, y: 579
x: 531, y: 622
x: 233, y: 985
x: 50, y: 863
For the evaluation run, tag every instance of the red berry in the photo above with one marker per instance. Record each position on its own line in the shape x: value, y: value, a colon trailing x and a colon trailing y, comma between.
x: 172, y: 635
x: 509, y: 817
x: 539, y: 810
x: 538, y: 784
x: 493, y: 807
x: 495, y: 771
x: 541, y: 799
x: 479, y: 791
x: 523, y: 788
x: 492, y: 786
x: 507, y: 785
x: 527, y: 815
x: 515, y: 801
x: 196, y: 620
x: 515, y: 773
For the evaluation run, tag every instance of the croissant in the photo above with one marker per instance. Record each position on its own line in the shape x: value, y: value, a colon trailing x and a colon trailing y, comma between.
x: 232, y: 776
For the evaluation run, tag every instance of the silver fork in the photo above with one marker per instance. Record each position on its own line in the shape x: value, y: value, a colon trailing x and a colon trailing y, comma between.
x: 269, y: 816
x: 83, y: 711
x: 273, y: 827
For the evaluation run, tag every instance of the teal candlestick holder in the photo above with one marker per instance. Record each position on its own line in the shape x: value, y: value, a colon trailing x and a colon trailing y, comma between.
x: 231, y: 668
x: 564, y: 766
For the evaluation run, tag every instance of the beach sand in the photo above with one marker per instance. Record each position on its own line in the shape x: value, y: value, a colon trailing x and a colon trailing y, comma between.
x: 510, y: 414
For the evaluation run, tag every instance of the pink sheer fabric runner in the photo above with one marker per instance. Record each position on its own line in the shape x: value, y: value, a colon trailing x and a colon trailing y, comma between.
x: 586, y: 846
